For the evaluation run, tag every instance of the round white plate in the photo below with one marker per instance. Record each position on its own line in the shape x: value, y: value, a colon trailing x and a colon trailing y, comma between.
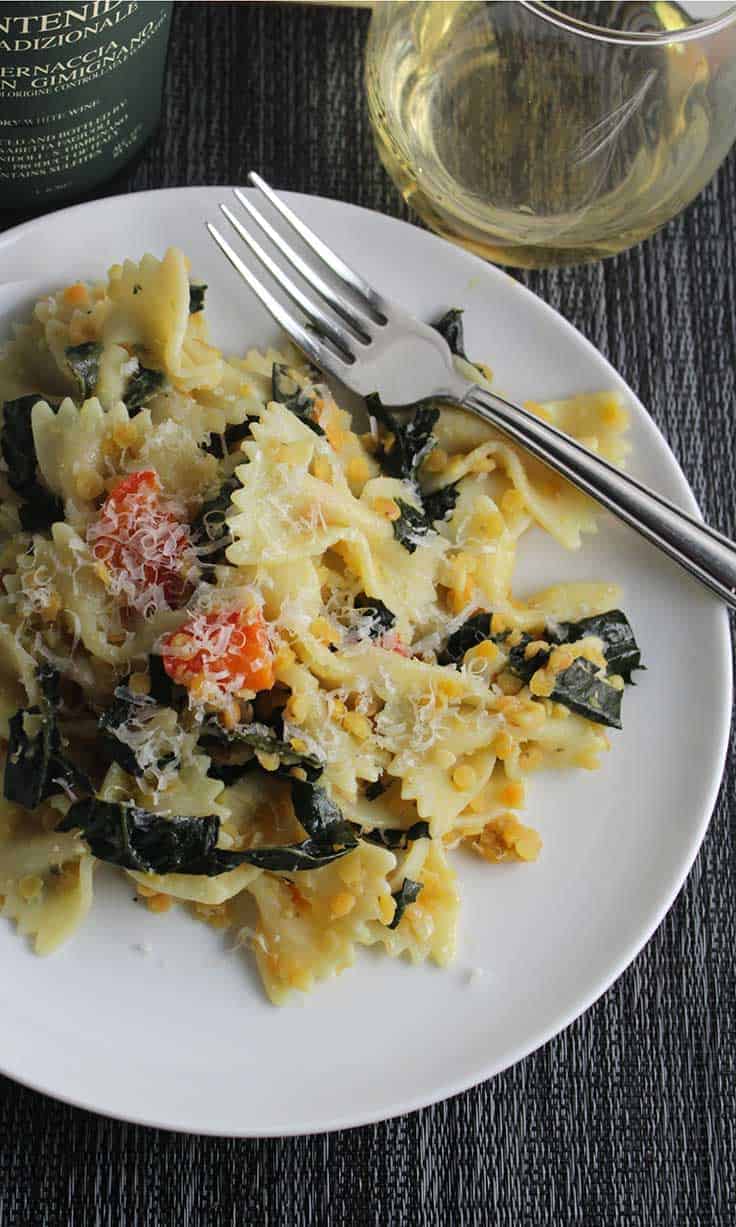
x: 183, y: 1037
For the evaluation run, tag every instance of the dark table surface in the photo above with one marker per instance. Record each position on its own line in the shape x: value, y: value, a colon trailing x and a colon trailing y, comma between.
x: 629, y: 1116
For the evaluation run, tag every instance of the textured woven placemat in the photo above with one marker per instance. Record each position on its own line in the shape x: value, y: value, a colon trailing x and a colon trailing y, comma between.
x: 629, y: 1116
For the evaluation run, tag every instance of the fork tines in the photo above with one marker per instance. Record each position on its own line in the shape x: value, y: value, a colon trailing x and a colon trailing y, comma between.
x: 356, y: 305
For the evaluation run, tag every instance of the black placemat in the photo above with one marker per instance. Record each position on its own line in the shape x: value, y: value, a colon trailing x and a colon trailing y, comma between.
x: 629, y: 1116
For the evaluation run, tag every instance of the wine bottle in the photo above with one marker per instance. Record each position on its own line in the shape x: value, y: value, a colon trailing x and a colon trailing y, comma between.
x: 80, y: 93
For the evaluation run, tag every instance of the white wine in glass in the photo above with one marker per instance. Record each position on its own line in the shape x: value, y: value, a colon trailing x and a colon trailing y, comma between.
x: 537, y: 134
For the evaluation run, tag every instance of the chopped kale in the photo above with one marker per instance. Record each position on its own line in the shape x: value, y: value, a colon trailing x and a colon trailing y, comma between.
x: 407, y: 893
x: 287, y: 392
x: 41, y: 508
x: 469, y: 635
x: 238, y: 431
x: 162, y: 689
x: 321, y: 818
x: 142, y: 385
x: 620, y: 648
x: 41, y: 511
x: 215, y: 446
x: 221, y: 445
x: 134, y: 838
x: 84, y: 363
x: 441, y: 504
x: 131, y: 712
x: 290, y: 858
x: 228, y: 773
x: 450, y: 326
x: 49, y: 681
x: 124, y: 707
x: 196, y: 298
x: 376, y: 789
x: 36, y: 767
x: 381, y: 617
x: 259, y: 737
x: 518, y: 663
x: 411, y: 526
x: 580, y: 689
x: 394, y: 839
x: 16, y: 442
x: 210, y: 526
x: 411, y: 442
x: 412, y: 438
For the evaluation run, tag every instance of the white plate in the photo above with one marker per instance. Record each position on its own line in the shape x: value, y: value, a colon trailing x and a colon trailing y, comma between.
x: 183, y: 1037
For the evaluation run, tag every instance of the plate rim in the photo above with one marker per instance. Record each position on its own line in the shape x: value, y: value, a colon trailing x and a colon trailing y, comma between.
x: 565, y: 1018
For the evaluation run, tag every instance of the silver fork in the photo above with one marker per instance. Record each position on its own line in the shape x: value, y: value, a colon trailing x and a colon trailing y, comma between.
x: 365, y: 340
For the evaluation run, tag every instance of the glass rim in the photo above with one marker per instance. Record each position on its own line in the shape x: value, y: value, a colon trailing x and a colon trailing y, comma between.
x: 574, y: 25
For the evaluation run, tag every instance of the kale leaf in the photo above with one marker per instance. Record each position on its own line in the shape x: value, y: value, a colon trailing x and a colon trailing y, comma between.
x: 238, y: 431
x: 395, y: 839
x: 220, y: 445
x: 134, y: 838
x: 290, y: 858
x: 287, y: 392
x: 262, y: 738
x: 441, y: 504
x: 407, y: 893
x: 41, y: 508
x: 381, y: 617
x: 84, y: 363
x: 450, y: 326
x: 124, y: 707
x: 162, y: 688
x: 16, y: 442
x: 376, y: 789
x: 412, y: 441
x: 620, y: 648
x: 321, y: 818
x: 210, y: 525
x: 469, y: 635
x: 228, y: 772
x: 132, y: 712
x: 413, y: 438
x: 196, y: 298
x: 579, y: 688
x: 41, y: 511
x: 411, y: 526
x: 142, y: 385
x: 36, y: 767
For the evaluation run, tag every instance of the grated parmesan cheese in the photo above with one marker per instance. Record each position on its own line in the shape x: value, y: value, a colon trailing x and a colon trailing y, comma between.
x: 142, y: 542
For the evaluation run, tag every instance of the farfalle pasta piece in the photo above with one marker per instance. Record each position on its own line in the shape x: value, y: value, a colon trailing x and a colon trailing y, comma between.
x: 428, y: 927
x: 45, y: 879
x: 309, y: 924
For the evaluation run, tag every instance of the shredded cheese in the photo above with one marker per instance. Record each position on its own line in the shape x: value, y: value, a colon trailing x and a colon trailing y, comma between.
x: 142, y: 540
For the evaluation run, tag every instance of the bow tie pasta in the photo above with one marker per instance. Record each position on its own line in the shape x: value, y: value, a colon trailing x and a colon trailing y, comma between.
x: 267, y: 661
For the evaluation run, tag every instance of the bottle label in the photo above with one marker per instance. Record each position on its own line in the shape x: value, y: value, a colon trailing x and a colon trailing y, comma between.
x: 80, y: 93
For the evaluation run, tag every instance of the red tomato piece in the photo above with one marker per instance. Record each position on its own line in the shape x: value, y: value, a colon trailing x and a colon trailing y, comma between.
x: 220, y: 653
x: 142, y: 541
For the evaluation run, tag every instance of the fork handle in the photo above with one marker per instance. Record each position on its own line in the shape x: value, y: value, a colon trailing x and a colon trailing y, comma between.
x: 705, y: 553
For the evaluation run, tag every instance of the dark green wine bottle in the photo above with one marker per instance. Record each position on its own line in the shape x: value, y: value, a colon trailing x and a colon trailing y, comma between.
x: 80, y: 93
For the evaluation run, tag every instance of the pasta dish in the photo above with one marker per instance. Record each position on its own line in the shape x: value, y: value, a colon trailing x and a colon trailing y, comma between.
x: 268, y: 659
